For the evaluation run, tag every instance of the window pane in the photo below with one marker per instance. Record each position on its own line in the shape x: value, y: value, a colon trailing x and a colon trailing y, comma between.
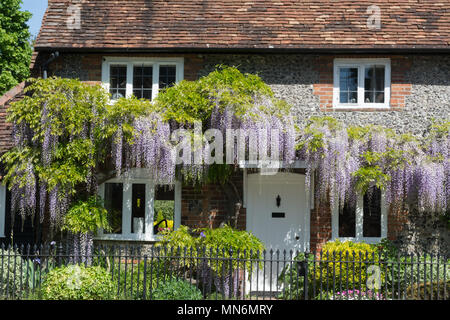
x: 167, y: 76
x: 114, y: 82
x: 137, y: 81
x: 347, y: 221
x: 147, y: 94
x: 137, y: 71
x: 138, y: 208
x: 379, y: 97
x: 113, y: 204
x: 348, y: 85
x: 142, y: 79
x: 147, y: 82
x: 164, y: 206
x: 369, y: 96
x: 372, y: 213
x: 379, y: 78
x: 353, y: 97
x: 118, y: 81
x: 374, y: 84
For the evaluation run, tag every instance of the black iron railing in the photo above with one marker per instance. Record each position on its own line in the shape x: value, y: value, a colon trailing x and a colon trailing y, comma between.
x: 137, y: 272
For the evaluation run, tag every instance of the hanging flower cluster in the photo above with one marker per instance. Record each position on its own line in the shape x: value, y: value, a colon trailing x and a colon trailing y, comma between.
x: 411, y: 171
x: 242, y: 108
x: 149, y: 148
x: 55, y: 130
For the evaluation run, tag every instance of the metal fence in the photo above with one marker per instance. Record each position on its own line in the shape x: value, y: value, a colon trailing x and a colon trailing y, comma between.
x: 140, y: 272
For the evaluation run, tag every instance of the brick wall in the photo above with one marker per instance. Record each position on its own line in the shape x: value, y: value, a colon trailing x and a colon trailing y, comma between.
x: 400, y: 65
x: 88, y: 67
x: 11, y: 96
x: 208, y: 206
x: 306, y: 81
x: 396, y: 222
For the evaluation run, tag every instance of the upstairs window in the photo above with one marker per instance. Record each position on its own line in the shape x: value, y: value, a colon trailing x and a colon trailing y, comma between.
x: 141, y: 77
x: 361, y: 83
x: 364, y: 221
x: 143, y: 81
x: 167, y: 76
x: 118, y: 81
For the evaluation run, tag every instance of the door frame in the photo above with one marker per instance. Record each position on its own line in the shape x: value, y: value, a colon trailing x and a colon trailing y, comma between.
x: 256, y: 180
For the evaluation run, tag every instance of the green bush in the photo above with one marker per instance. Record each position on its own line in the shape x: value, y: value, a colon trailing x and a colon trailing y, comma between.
x: 216, y: 296
x: 405, y: 271
x: 429, y: 291
x: 174, y: 289
x: 225, y: 249
x: 292, y: 281
x: 224, y: 242
x: 352, y: 271
x: 77, y: 282
x: 131, y: 281
x: 12, y: 273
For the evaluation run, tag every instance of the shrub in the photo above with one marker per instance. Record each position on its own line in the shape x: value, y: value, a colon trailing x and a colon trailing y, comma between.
x: 405, y: 271
x: 224, y: 242
x: 87, y: 216
x: 292, y: 281
x: 230, y: 243
x: 76, y: 282
x: 345, y: 264
x: 429, y: 290
x: 12, y: 273
x: 174, y: 289
x: 131, y: 281
x: 216, y: 296
x: 235, y: 249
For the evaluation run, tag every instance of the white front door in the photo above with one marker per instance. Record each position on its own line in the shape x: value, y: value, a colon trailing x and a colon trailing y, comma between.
x: 277, y: 210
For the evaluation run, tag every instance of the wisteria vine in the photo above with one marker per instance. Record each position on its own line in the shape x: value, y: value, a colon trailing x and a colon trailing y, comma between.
x: 413, y: 172
x: 65, y: 130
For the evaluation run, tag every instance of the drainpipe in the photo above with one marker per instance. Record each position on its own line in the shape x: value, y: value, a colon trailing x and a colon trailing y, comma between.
x: 53, y: 56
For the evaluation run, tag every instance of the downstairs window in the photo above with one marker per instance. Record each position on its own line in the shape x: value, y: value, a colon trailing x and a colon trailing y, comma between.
x: 361, y: 83
x: 137, y: 206
x: 363, y: 221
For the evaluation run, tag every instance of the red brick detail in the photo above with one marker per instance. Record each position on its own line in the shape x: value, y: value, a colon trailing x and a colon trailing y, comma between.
x: 399, y: 87
x: 320, y: 226
x: 91, y: 64
x: 11, y: 96
x: 207, y: 206
x: 396, y: 222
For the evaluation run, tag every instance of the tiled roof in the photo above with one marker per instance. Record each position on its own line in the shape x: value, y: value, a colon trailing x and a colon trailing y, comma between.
x: 241, y: 24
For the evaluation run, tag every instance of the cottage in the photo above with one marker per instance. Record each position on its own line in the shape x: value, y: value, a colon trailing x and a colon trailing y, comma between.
x: 371, y: 62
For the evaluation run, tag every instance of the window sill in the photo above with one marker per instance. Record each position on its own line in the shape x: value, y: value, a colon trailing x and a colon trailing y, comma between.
x: 367, y: 108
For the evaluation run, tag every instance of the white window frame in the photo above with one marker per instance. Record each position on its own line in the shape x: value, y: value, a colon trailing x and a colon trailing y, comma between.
x: 2, y: 210
x: 359, y: 222
x: 138, y: 176
x: 130, y: 62
x: 360, y: 64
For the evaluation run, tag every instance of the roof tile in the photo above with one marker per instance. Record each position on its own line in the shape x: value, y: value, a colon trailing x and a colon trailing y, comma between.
x: 159, y: 24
